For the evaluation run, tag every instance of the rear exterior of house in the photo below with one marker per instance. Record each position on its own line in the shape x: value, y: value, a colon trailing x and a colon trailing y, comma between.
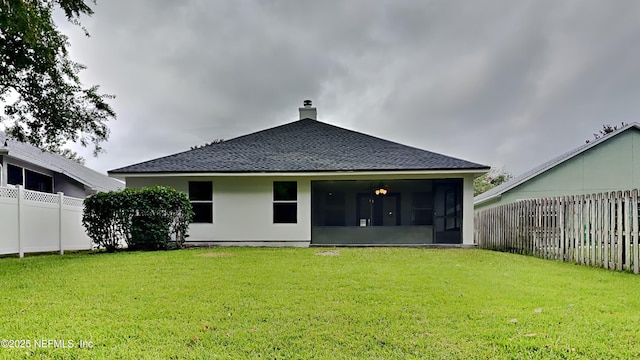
x: 308, y: 183
x: 610, y: 163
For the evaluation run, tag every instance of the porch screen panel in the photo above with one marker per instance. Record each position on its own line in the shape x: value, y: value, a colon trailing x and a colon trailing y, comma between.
x: 422, y: 208
x: 334, y: 211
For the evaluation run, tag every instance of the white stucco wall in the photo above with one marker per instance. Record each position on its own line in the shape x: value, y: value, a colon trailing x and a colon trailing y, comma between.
x: 467, y: 210
x: 243, y: 207
x: 243, y: 211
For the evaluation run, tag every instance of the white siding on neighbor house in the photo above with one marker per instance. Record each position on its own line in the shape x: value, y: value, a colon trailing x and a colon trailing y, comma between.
x: 243, y: 207
x: 68, y: 186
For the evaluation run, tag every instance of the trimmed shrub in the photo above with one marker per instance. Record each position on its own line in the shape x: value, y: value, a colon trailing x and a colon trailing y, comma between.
x: 145, y: 219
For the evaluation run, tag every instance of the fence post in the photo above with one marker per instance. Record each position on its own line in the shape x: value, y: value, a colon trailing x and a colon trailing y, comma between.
x: 60, y: 201
x: 20, y: 219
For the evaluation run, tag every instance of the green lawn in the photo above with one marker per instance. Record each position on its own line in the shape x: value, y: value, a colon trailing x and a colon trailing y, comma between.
x: 379, y: 303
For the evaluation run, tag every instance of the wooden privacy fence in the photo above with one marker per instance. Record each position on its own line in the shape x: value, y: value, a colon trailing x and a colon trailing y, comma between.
x: 597, y: 229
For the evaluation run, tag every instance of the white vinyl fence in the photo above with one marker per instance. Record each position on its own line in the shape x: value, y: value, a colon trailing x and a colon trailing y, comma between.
x: 32, y: 221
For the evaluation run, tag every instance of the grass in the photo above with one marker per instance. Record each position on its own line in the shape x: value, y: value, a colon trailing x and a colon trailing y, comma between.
x: 379, y: 303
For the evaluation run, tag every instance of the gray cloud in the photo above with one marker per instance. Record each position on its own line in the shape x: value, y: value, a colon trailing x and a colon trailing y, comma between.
x: 503, y: 83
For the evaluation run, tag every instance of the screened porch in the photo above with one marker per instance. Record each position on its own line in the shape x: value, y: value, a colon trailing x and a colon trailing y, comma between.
x: 386, y: 212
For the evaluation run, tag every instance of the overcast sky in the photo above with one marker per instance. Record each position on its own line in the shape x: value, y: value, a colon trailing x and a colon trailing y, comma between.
x: 508, y: 84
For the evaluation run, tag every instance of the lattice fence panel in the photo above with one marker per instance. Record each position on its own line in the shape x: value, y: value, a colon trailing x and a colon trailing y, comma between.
x: 8, y: 193
x: 69, y: 201
x: 40, y: 197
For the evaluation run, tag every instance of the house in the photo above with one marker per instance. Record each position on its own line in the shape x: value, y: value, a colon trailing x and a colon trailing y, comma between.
x: 609, y: 163
x: 311, y: 183
x: 26, y: 165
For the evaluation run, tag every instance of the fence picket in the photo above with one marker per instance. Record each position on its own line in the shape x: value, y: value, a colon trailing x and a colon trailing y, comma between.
x: 592, y: 231
x: 599, y: 230
x: 612, y: 232
x: 627, y: 231
x: 634, y: 219
x: 537, y: 240
x: 607, y: 236
x: 619, y: 229
x: 553, y: 216
x: 571, y: 218
x: 581, y: 230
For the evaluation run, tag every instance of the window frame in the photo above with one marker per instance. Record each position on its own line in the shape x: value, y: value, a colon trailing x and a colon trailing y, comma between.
x: 24, y: 173
x: 9, y: 169
x: 201, y: 201
x: 27, y: 173
x: 281, y: 201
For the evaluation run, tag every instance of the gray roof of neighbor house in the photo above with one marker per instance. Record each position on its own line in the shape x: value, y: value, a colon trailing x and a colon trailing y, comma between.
x: 513, y: 182
x: 89, y: 178
x: 301, y: 146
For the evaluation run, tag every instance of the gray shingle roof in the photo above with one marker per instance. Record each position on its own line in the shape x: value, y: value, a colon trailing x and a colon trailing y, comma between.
x: 60, y: 164
x: 301, y: 146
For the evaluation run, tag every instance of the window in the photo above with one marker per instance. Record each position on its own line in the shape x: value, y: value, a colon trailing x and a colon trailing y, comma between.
x: 14, y: 175
x: 31, y: 180
x: 38, y: 182
x: 285, y: 202
x: 201, y: 196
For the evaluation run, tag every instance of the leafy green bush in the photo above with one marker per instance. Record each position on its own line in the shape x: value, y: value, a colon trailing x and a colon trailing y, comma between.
x: 149, y: 232
x: 145, y: 219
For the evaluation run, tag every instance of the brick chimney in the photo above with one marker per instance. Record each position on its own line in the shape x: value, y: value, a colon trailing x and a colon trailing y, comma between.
x: 308, y: 111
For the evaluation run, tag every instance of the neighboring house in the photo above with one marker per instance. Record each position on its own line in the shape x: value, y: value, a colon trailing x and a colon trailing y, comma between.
x: 26, y: 165
x: 310, y: 183
x: 609, y: 163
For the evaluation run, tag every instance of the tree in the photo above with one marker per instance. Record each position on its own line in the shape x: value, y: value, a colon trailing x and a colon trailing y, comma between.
x: 606, y: 129
x: 214, y: 142
x: 490, y: 180
x: 45, y: 103
x: 69, y: 154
